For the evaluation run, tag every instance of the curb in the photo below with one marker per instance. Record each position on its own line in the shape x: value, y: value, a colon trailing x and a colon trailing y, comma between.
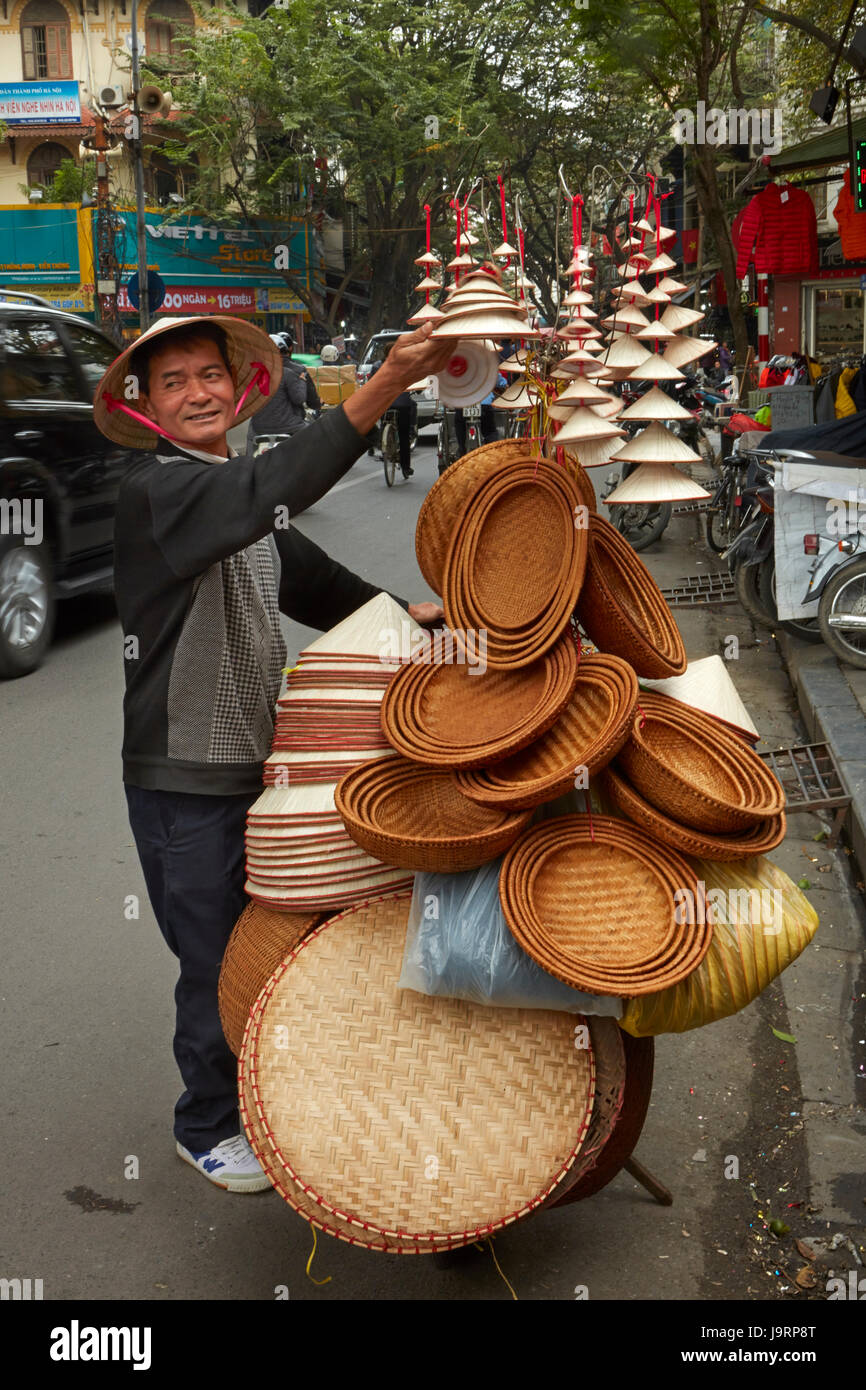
x: 832, y: 714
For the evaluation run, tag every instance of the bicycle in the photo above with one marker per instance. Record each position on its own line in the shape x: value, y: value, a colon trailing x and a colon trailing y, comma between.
x: 389, y: 445
x: 447, y: 448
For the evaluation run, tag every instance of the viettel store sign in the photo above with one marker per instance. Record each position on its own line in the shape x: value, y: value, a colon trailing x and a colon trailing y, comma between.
x: 195, y: 299
x: 191, y: 251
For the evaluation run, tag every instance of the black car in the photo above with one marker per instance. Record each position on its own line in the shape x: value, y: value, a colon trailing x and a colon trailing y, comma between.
x: 59, y: 477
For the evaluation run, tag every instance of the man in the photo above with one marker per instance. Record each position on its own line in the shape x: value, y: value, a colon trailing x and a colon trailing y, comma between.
x: 201, y: 575
x: 285, y: 412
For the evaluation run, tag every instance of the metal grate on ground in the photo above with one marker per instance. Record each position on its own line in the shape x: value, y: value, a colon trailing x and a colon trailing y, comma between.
x: 811, y: 780
x: 695, y: 590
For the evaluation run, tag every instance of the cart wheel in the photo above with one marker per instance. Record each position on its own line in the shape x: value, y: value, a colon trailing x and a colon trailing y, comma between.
x: 390, y: 451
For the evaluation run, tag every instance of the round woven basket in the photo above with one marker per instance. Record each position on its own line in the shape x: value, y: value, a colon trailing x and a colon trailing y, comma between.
x: 695, y: 773
x: 594, y: 902
x: 621, y: 607
x: 447, y: 497
x: 590, y: 731
x: 639, y: 1060
x: 762, y: 836
x: 417, y: 818
x: 260, y: 939
x: 448, y: 716
x: 408, y: 1118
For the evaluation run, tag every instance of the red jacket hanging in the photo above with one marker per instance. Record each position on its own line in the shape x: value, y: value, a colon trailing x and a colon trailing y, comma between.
x: 851, y: 224
x: 778, y: 230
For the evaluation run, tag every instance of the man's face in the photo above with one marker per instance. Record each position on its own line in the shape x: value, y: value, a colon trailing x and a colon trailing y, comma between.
x: 191, y: 395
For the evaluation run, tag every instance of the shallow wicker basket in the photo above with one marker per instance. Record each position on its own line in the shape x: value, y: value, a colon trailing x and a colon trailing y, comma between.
x: 417, y: 818
x: 409, y: 1123
x: 260, y: 939
x: 622, y: 610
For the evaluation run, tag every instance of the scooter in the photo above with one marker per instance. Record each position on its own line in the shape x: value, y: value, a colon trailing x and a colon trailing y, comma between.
x: 838, y: 584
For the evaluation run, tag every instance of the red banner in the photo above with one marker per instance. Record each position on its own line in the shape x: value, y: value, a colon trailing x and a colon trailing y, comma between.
x: 690, y: 238
x: 187, y: 299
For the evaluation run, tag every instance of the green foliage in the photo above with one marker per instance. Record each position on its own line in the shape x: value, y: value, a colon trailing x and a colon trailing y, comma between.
x: 70, y: 182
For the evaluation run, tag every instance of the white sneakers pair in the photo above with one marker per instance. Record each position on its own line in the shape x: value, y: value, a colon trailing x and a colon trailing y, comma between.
x: 230, y: 1164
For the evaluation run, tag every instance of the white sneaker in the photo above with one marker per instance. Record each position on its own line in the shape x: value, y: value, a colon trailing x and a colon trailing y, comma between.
x: 230, y: 1164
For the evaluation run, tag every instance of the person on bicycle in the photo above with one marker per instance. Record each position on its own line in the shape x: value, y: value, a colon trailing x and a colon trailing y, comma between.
x: 406, y: 410
x: 286, y: 412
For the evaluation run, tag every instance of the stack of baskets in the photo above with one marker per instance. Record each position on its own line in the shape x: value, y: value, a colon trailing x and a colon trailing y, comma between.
x: 411, y: 1123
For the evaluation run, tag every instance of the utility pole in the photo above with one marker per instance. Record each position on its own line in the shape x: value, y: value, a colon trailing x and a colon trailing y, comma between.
x: 105, y: 257
x: 141, y: 236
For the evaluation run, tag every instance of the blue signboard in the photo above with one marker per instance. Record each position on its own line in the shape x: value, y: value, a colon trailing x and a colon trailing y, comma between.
x: 39, y: 246
x: 192, y: 251
x: 42, y: 103
x: 155, y: 290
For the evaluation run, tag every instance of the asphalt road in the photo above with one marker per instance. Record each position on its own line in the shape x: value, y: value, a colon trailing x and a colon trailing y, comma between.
x: 95, y: 1201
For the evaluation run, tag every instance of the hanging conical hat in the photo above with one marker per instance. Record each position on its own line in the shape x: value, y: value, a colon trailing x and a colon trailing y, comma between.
x: 464, y: 260
x: 486, y: 323
x: 609, y: 409
x: 626, y: 317
x: 627, y: 271
x: 665, y: 233
x: 625, y: 352
x: 580, y: 363
x: 644, y: 226
x: 656, y: 444
x: 595, y: 453
x: 518, y: 396
x: 425, y: 314
x: 504, y: 251
x: 655, y: 405
x: 584, y: 424
x: 471, y: 239
x: 632, y: 292
x: 428, y: 258
x: 577, y: 297
x: 515, y: 363
x: 640, y: 258
x: 706, y: 685
x: 657, y: 296
x: 654, y: 369
x: 678, y: 317
x: 661, y: 263
x: 652, y: 483
x: 656, y: 332
x: 427, y: 284
x: 580, y: 390
x: 463, y: 304
x: 680, y: 351
x: 671, y: 286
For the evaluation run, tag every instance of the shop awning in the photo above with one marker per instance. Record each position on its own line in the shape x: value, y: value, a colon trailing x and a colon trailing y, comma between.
x: 830, y: 147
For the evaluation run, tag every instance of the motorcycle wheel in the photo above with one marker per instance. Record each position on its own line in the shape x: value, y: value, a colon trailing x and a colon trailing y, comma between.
x: 390, y: 451
x: 748, y: 592
x: 641, y: 525
x: 807, y: 629
x: 845, y: 597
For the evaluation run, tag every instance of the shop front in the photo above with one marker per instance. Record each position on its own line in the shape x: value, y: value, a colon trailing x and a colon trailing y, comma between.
x: 823, y: 315
x: 46, y: 250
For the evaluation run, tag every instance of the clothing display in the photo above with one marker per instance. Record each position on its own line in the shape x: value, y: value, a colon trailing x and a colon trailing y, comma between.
x: 778, y: 232
x: 851, y: 224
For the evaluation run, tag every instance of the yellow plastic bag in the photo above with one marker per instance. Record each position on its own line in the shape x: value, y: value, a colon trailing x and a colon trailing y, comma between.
x: 762, y: 923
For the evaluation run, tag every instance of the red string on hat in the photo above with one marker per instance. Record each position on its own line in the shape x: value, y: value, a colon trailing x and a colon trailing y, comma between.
x: 261, y: 378
x: 111, y: 404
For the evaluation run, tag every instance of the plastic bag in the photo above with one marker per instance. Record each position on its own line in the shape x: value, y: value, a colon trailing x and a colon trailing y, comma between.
x: 762, y: 923
x: 458, y: 945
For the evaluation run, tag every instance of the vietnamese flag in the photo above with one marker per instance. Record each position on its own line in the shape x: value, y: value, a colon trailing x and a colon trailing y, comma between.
x: 690, y: 238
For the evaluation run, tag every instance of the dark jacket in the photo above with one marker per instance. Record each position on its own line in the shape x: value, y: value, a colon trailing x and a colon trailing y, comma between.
x: 284, y: 412
x: 204, y: 564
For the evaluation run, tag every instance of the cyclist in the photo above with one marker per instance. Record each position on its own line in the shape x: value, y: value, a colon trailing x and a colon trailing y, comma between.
x: 406, y: 410
x: 286, y: 412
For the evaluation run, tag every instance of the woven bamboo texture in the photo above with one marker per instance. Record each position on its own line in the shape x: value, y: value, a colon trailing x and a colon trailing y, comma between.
x: 260, y: 939
x: 622, y: 610
x: 417, y: 818
x: 410, y: 1118
x: 594, y: 901
x: 639, y: 1061
x: 760, y: 838
x: 590, y: 731
x: 447, y: 716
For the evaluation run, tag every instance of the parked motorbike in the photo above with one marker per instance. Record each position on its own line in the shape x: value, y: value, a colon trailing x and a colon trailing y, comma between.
x: 838, y: 583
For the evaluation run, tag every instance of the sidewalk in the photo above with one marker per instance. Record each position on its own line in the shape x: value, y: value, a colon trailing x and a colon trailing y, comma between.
x: 832, y: 700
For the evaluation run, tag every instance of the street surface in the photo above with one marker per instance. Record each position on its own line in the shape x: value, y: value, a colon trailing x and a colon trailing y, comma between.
x: 87, y: 1012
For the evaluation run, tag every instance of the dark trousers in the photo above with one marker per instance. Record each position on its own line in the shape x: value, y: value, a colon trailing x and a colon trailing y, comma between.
x: 191, y: 849
x: 407, y: 417
x: 487, y: 427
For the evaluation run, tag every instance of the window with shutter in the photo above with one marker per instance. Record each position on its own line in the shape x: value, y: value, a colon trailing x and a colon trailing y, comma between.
x: 29, y: 55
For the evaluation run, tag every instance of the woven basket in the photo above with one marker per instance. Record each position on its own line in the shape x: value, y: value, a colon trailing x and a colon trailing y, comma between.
x: 639, y: 1061
x: 446, y: 716
x: 622, y: 610
x: 594, y: 902
x: 762, y: 837
x: 704, y: 783
x: 417, y: 818
x: 447, y: 497
x: 590, y: 731
x: 260, y: 939
x: 409, y: 1121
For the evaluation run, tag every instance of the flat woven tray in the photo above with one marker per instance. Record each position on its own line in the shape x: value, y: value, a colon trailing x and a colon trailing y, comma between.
x: 260, y: 939
x: 594, y: 902
x: 448, y: 716
x: 590, y: 731
x: 417, y: 818
x: 606, y: 1039
x: 411, y: 1118
x: 622, y: 610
